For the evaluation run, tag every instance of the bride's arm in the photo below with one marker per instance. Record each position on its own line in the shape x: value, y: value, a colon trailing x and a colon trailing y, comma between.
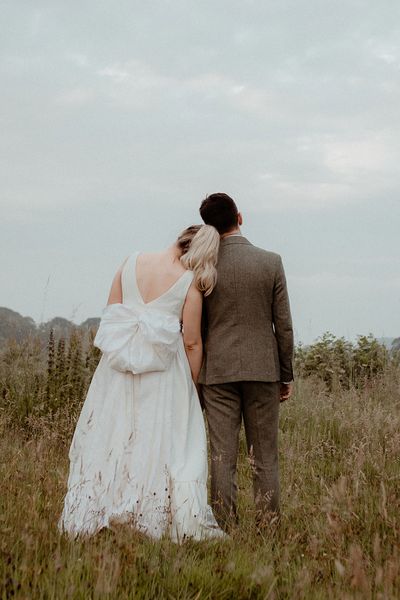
x: 192, y: 330
x: 115, y: 295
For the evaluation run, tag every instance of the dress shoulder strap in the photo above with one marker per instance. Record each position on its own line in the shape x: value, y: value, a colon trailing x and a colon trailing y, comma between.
x: 128, y: 279
x: 186, y: 281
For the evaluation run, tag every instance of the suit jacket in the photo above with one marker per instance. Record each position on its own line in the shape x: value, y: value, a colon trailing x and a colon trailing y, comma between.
x: 247, y: 325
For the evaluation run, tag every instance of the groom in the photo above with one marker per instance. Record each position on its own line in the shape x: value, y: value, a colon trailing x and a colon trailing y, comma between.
x: 247, y: 369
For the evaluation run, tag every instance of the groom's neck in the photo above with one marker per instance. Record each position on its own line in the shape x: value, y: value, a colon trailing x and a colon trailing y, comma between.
x: 235, y: 231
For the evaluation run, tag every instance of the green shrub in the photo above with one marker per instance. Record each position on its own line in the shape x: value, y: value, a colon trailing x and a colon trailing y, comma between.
x: 343, y: 364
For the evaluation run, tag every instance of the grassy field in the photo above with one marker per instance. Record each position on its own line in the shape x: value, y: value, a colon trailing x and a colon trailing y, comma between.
x: 338, y: 538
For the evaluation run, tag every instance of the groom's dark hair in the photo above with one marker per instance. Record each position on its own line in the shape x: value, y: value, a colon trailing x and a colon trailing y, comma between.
x: 220, y: 211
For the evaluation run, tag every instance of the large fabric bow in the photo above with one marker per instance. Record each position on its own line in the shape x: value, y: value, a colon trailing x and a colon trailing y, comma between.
x: 137, y: 340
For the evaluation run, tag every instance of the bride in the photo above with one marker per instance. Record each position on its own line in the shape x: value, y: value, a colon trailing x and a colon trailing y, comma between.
x: 139, y: 451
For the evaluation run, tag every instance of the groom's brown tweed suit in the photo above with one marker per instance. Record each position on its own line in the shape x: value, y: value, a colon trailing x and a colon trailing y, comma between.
x: 248, y: 341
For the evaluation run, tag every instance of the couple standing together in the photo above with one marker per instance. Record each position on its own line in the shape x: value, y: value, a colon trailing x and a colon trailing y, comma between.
x: 139, y: 451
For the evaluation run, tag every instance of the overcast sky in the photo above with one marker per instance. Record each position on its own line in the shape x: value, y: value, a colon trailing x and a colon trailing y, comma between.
x: 118, y: 117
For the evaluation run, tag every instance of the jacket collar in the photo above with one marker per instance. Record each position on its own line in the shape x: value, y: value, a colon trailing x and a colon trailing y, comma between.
x: 234, y: 239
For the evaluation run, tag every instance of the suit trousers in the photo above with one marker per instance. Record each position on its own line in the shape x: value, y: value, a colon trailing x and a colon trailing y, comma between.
x: 225, y: 404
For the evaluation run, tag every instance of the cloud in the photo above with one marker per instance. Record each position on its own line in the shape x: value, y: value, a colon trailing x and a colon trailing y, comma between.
x: 134, y: 83
x: 79, y: 59
x: 76, y: 97
x: 351, y: 156
x: 134, y: 73
x: 295, y: 196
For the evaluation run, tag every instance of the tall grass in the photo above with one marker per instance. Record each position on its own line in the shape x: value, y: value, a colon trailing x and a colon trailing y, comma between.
x: 338, y: 536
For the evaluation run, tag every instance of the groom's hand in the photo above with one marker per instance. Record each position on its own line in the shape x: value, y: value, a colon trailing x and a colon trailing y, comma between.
x: 286, y: 391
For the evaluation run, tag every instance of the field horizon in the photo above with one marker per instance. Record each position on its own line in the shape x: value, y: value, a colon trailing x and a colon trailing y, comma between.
x: 14, y: 325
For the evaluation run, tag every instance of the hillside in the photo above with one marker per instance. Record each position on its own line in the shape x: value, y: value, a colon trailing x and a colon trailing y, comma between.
x: 13, y: 326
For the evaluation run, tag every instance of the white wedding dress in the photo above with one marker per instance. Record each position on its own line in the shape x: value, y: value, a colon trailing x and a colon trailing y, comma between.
x: 139, y: 451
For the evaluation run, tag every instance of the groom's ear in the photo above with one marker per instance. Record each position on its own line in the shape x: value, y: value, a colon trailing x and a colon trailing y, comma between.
x: 240, y: 219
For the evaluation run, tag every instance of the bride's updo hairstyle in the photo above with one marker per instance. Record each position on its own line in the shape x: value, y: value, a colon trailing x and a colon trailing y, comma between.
x: 199, y: 245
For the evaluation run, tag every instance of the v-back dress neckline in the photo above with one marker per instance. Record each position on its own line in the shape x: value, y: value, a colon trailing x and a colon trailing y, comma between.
x: 139, y: 293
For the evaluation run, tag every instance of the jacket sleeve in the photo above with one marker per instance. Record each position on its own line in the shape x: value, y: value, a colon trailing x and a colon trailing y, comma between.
x: 282, y: 322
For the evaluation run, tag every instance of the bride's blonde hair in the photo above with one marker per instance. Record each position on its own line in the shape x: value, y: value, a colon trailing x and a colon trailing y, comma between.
x: 199, y: 245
